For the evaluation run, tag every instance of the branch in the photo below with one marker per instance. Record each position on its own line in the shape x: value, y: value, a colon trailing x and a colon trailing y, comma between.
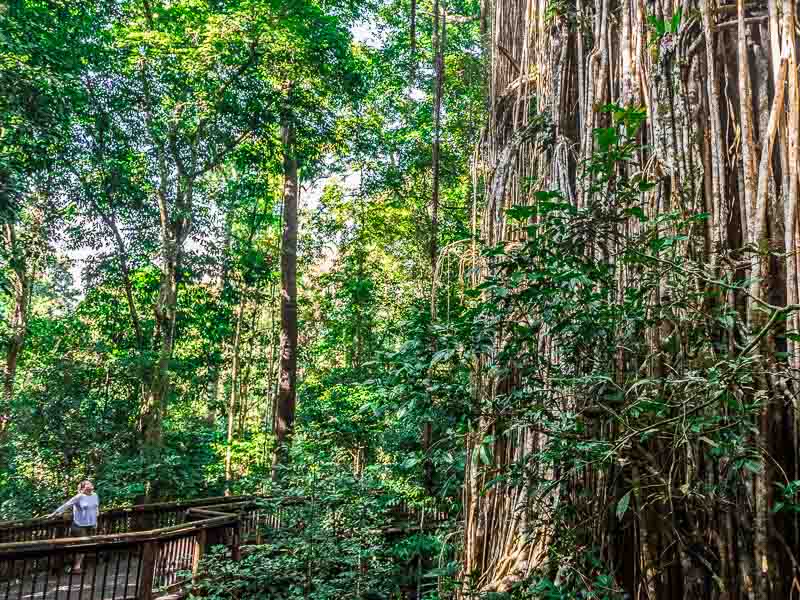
x: 454, y: 19
x: 215, y: 162
x: 510, y: 58
x: 781, y: 311
x: 461, y: 19
x: 159, y: 148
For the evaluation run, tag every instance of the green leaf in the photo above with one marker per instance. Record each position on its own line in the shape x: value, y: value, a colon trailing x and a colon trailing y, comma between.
x: 484, y: 454
x: 646, y: 186
x: 622, y: 505
x: 443, y: 355
x: 676, y: 21
x: 752, y: 466
x: 498, y: 250
x: 637, y: 212
x: 410, y: 463
x: 543, y: 196
x: 606, y: 137
x: 521, y: 213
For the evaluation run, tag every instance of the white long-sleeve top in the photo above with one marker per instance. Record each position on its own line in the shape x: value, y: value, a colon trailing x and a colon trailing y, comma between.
x: 84, y: 509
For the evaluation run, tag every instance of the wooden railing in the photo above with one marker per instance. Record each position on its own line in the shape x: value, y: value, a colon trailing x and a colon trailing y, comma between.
x: 132, y: 565
x: 144, y: 550
x: 253, y: 517
x: 404, y: 512
x: 142, y: 517
x: 118, y: 566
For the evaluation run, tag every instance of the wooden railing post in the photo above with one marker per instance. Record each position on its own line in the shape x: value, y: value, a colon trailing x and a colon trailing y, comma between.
x: 199, y: 550
x: 149, y: 552
x: 236, y: 550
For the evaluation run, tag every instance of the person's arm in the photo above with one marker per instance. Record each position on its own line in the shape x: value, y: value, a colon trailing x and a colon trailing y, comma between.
x: 60, y: 510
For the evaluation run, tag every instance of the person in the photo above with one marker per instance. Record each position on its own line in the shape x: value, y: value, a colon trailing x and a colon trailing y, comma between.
x: 85, y: 506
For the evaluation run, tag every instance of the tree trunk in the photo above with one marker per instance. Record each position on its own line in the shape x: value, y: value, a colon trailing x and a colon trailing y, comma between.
x: 287, y: 392
x: 438, y: 48
x: 719, y: 85
x: 18, y: 326
x: 22, y: 275
x: 122, y: 258
x: 438, y: 42
x: 233, y: 403
x: 413, y: 41
x: 155, y: 401
x: 175, y: 219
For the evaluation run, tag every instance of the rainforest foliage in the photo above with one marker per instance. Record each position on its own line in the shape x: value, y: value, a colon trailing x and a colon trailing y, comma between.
x: 529, y: 263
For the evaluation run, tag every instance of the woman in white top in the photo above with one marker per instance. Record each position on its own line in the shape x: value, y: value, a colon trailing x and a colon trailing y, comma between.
x: 85, y: 506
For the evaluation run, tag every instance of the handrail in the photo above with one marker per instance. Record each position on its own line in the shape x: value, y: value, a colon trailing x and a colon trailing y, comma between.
x: 207, y: 503
x: 140, y: 562
x: 134, y: 509
x: 206, y: 511
x: 137, y: 536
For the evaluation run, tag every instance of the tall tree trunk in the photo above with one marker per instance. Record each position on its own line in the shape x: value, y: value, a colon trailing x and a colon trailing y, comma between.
x: 16, y: 339
x: 233, y: 402
x: 270, y: 405
x: 437, y: 127
x: 245, y: 378
x: 23, y: 273
x: 698, y: 67
x: 175, y: 205
x: 122, y: 259
x: 287, y: 392
x: 413, y: 41
x: 438, y: 48
x: 155, y: 401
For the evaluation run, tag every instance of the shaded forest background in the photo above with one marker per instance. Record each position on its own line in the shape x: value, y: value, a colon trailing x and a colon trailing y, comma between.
x: 546, y: 280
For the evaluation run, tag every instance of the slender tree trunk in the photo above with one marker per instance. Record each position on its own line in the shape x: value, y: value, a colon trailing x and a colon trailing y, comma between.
x: 233, y: 402
x: 175, y: 219
x: 245, y: 379
x: 122, y: 258
x: 413, y: 33
x: 287, y: 392
x: 23, y: 274
x: 718, y: 217
x: 437, y: 126
x: 438, y: 47
x: 16, y: 340
x: 270, y: 405
x: 155, y: 400
x: 174, y: 232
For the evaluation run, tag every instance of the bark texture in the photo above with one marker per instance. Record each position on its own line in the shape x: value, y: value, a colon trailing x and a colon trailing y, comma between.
x: 287, y: 378
x: 720, y: 91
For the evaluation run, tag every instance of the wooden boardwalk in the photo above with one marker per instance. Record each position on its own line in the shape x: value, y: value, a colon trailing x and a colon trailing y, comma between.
x: 110, y: 576
x: 125, y: 563
x: 116, y: 578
